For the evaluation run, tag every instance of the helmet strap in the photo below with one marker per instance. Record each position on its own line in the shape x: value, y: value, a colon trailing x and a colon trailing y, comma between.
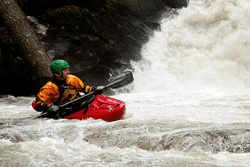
x: 59, y: 76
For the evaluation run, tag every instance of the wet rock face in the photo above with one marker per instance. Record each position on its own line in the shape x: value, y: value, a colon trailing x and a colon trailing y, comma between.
x: 97, y: 38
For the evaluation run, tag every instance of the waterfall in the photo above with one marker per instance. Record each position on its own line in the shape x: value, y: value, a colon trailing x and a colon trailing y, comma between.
x: 205, y: 48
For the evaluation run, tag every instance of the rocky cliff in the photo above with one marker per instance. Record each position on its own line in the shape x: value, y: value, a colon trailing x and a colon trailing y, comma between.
x: 96, y: 37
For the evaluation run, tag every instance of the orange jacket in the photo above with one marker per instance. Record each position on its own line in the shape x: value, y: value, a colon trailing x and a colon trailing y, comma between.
x: 50, y: 92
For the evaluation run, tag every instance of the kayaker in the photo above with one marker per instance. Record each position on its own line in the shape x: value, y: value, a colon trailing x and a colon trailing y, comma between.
x: 62, y: 88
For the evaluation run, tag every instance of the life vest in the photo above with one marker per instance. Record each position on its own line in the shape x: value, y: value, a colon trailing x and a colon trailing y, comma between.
x: 57, y: 94
x: 67, y: 94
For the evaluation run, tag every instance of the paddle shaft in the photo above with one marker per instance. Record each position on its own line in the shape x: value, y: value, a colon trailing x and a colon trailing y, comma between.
x: 122, y: 80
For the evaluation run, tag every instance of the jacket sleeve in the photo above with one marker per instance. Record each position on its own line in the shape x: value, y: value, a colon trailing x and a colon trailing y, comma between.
x: 88, y: 89
x: 82, y: 87
x: 46, y: 96
x: 41, y: 106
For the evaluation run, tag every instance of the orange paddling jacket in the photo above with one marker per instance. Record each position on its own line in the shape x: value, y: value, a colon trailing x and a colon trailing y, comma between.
x: 58, y: 93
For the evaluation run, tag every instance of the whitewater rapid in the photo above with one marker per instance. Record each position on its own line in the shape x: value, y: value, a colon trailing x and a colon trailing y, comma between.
x: 205, y: 48
x: 188, y: 105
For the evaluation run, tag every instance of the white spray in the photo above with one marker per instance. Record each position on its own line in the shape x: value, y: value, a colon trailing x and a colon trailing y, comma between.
x: 205, y: 48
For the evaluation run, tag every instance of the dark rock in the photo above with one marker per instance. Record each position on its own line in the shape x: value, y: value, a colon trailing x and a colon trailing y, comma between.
x: 96, y: 37
x: 176, y: 3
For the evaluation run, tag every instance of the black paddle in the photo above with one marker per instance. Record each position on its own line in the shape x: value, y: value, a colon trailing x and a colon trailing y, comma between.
x: 119, y: 81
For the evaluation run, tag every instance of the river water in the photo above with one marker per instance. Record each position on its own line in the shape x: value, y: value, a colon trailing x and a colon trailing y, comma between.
x: 188, y: 105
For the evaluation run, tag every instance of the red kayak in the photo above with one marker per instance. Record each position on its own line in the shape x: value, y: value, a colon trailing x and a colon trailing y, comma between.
x: 102, y: 107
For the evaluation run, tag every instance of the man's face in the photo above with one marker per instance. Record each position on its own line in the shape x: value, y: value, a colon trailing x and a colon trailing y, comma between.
x: 65, y: 73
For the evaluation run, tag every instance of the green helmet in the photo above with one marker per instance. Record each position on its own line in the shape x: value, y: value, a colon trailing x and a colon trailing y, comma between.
x: 58, y: 65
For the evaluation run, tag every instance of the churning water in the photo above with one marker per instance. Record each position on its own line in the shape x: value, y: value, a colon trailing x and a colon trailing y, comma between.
x: 189, y: 104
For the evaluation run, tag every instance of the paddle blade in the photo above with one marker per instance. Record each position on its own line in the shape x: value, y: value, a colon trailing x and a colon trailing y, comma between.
x: 121, y: 80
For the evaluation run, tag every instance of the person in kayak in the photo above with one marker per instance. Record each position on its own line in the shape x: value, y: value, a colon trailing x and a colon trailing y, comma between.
x: 62, y: 88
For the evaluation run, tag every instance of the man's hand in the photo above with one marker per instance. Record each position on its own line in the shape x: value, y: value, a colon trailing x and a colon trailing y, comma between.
x: 53, y: 111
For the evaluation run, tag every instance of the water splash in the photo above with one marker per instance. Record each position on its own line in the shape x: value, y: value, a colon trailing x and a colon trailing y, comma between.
x: 205, y: 48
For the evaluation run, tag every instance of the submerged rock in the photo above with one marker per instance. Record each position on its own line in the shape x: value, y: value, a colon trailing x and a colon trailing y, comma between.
x: 214, y: 141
